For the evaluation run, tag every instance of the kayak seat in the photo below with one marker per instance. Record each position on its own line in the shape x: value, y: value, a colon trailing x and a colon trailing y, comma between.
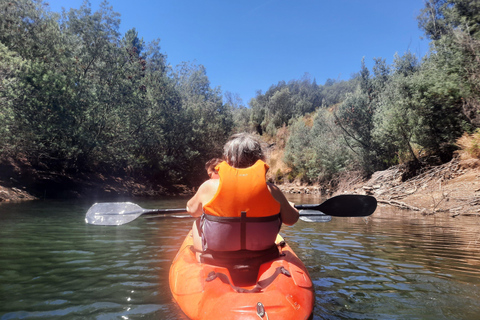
x: 243, y: 265
x: 259, y: 286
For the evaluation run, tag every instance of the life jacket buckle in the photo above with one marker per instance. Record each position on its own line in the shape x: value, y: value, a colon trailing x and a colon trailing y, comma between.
x: 211, y: 276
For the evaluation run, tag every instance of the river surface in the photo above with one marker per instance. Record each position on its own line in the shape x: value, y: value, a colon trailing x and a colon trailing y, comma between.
x: 392, y: 265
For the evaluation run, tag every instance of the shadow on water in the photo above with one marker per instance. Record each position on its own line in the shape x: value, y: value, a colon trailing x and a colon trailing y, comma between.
x: 393, y: 265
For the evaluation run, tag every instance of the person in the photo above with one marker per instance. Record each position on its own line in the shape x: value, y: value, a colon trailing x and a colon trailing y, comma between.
x: 210, y: 167
x: 240, y: 211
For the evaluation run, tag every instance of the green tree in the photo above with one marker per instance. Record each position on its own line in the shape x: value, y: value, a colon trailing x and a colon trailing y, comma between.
x: 397, y: 117
x: 208, y: 119
x: 11, y: 67
x: 454, y: 28
x: 317, y: 152
x: 240, y: 114
x: 355, y: 117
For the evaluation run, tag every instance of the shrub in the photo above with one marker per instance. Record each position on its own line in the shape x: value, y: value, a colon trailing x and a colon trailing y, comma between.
x: 279, y: 176
x: 470, y: 145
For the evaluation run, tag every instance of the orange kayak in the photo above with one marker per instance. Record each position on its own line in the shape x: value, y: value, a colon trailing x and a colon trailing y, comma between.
x: 283, y: 290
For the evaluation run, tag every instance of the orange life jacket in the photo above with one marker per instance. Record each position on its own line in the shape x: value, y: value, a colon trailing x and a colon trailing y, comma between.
x: 242, y: 215
x: 242, y: 190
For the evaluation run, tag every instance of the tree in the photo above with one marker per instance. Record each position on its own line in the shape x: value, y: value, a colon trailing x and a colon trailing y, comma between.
x: 397, y: 117
x: 317, y: 152
x: 209, y: 120
x: 78, y: 96
x: 355, y: 117
x: 240, y: 113
x: 454, y: 27
x: 11, y: 67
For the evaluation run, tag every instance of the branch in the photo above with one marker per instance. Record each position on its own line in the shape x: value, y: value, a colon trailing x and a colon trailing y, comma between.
x: 398, y: 204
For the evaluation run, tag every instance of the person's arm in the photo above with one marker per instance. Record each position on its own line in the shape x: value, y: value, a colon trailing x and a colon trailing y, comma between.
x: 204, y: 194
x: 288, y: 213
x: 194, y: 206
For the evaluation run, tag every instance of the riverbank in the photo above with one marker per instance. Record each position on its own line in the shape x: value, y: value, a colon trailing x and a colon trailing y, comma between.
x: 20, y: 181
x: 452, y: 188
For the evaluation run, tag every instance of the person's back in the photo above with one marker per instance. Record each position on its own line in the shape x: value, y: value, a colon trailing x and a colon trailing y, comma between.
x: 242, y: 215
x: 242, y: 187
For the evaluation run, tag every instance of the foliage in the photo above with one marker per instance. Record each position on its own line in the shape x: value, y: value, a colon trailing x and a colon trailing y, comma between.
x: 240, y: 113
x: 355, y: 117
x: 77, y: 96
x: 317, y: 152
x: 454, y: 27
x: 210, y: 121
x: 406, y: 110
x: 286, y: 101
x: 397, y: 115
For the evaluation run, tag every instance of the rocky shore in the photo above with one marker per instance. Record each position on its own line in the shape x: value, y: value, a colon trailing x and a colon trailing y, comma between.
x: 14, y: 194
x: 452, y: 188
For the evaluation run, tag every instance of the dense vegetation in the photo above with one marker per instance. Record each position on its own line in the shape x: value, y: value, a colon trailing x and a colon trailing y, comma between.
x: 77, y: 96
x: 410, y: 111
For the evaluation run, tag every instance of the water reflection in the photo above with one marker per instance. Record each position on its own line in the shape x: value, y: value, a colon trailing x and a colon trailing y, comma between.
x: 393, y: 265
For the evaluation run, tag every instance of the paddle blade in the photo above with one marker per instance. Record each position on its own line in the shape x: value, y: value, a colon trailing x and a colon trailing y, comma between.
x: 345, y: 205
x: 113, y: 213
x: 314, y: 216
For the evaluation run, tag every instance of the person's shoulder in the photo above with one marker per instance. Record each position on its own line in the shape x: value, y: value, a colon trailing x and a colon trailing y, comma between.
x: 209, y: 184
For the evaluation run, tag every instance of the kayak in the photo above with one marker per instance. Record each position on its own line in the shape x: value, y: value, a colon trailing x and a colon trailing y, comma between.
x: 282, y: 289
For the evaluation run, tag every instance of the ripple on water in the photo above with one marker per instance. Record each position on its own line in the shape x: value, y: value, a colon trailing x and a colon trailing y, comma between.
x: 389, y: 266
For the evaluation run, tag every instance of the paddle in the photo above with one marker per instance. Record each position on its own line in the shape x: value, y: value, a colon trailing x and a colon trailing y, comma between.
x: 348, y: 205
x: 345, y: 205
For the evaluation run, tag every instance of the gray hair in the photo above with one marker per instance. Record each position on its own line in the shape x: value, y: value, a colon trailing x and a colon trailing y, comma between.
x: 242, y: 150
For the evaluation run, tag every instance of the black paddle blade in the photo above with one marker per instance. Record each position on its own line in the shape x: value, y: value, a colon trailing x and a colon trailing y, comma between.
x: 345, y: 205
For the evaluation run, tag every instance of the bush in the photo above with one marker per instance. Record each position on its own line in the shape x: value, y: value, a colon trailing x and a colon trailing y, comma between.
x: 279, y: 176
x: 470, y: 145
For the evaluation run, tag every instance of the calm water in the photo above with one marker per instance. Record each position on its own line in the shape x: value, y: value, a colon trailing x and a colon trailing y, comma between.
x: 393, y: 265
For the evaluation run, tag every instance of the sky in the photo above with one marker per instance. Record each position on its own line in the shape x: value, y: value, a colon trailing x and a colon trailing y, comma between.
x: 249, y: 45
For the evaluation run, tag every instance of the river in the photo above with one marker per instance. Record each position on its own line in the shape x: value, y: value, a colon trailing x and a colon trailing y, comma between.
x: 392, y: 265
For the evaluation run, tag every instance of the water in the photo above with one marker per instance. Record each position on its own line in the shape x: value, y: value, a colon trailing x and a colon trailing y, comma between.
x: 393, y: 265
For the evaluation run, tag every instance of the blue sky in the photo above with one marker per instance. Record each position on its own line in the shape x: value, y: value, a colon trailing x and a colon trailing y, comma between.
x: 249, y: 45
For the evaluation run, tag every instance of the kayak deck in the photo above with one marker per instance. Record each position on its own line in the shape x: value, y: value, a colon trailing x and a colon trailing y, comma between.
x: 288, y: 295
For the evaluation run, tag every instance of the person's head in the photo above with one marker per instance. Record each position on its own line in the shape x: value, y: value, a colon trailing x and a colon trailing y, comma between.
x: 242, y: 150
x: 210, y: 167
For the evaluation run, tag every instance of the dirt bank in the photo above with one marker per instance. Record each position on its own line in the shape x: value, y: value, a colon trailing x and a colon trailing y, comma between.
x: 452, y: 188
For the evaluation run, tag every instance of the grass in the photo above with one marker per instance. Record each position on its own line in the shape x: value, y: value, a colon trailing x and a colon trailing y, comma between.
x: 470, y: 145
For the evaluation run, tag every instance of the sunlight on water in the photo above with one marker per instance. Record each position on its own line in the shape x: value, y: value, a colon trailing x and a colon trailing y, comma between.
x: 393, y: 265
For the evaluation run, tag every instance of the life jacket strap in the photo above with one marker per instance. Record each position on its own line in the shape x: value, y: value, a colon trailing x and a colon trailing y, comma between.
x: 241, y: 218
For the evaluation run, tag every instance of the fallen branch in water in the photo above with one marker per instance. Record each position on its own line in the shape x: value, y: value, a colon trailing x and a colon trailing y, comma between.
x: 398, y: 204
